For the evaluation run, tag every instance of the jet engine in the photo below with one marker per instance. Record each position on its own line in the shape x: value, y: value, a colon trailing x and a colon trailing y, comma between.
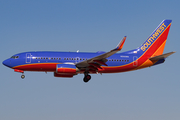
x: 65, y: 70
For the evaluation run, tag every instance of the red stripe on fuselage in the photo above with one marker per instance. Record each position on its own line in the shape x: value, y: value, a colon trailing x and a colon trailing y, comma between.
x: 49, y: 67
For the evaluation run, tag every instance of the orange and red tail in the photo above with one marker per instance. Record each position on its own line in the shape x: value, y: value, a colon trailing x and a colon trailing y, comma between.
x: 155, y: 43
x: 154, y: 46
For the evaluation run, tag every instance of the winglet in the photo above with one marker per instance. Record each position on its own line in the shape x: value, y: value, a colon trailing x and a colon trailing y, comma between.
x: 120, y: 45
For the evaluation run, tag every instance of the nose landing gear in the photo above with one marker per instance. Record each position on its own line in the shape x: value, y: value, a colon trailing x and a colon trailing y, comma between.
x: 20, y: 71
x: 22, y: 76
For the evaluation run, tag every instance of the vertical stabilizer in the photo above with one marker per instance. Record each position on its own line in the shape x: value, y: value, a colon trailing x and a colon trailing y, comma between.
x: 155, y: 43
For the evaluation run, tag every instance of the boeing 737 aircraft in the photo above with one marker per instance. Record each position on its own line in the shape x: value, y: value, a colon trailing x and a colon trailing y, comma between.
x: 68, y: 64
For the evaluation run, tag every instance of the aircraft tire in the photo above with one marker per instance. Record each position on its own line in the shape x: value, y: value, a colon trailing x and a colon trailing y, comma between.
x: 22, y: 76
x: 87, y: 78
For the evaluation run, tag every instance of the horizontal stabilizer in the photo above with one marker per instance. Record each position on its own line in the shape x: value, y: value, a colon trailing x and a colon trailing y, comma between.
x: 163, y: 56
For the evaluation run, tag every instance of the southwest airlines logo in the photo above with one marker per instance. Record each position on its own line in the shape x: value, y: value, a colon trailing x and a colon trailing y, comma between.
x: 153, y: 37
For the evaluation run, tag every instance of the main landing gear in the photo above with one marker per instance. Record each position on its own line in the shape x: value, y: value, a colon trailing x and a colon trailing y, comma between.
x: 87, y: 77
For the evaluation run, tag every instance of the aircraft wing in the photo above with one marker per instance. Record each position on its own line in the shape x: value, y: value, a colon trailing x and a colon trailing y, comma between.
x: 96, y: 62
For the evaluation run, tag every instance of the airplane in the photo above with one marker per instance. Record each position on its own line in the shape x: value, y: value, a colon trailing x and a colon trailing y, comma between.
x: 69, y: 64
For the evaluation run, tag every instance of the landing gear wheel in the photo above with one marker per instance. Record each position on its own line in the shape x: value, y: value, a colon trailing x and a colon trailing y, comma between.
x: 86, y: 78
x: 22, y: 76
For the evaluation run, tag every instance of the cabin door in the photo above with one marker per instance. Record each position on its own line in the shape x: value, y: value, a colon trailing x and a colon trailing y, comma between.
x: 135, y: 62
x: 28, y: 57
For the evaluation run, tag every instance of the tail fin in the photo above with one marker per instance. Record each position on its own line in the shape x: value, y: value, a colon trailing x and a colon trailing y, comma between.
x: 155, y: 43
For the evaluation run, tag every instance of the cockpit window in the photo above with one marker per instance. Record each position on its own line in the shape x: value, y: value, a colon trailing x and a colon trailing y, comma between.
x: 15, y: 57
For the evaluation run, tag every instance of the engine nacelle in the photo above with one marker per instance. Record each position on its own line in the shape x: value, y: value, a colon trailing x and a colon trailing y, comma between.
x: 66, y: 68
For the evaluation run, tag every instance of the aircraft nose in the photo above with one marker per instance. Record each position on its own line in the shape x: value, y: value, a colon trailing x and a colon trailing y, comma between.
x: 7, y: 62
